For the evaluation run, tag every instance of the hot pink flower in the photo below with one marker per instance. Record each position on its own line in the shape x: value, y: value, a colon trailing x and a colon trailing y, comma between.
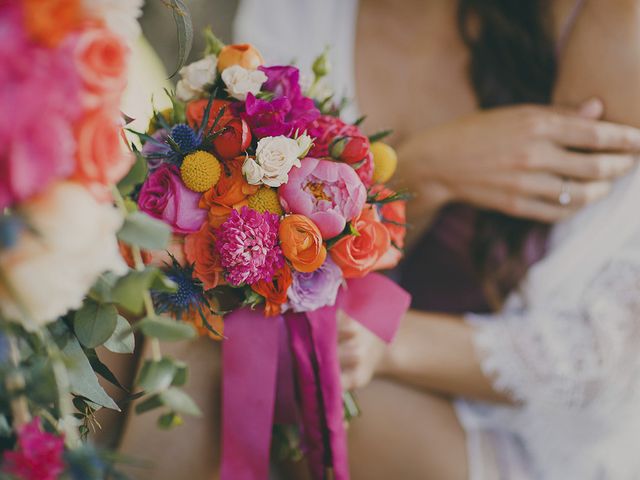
x: 327, y: 128
x: 329, y: 193
x: 248, y: 246
x: 39, y: 454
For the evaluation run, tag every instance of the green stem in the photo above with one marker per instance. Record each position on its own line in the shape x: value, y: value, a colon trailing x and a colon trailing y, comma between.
x: 15, y: 382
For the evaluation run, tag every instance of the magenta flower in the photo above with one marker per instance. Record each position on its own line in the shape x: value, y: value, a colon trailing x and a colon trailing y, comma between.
x: 165, y: 197
x: 40, y: 98
x: 39, y: 454
x: 329, y: 193
x: 248, y: 246
x: 313, y: 290
x: 282, y: 81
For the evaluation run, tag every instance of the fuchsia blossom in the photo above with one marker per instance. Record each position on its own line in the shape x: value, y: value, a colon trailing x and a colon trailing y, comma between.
x: 329, y: 193
x: 39, y: 454
x: 248, y: 246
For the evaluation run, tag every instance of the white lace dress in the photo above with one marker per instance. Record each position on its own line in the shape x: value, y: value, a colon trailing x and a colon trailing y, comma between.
x: 567, y: 344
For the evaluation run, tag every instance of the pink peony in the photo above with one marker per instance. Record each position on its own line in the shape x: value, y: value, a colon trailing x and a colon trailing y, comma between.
x: 325, y: 129
x: 164, y: 196
x: 39, y: 454
x: 365, y: 170
x: 248, y: 246
x: 329, y: 193
x: 40, y: 98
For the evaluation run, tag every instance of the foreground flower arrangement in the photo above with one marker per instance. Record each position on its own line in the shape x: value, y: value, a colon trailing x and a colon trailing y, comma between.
x: 279, y: 212
x: 71, y: 264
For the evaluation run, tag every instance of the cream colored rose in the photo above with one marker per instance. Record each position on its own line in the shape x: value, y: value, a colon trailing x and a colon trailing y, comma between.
x: 275, y: 157
x: 52, y: 267
x: 240, y: 81
x: 195, y: 77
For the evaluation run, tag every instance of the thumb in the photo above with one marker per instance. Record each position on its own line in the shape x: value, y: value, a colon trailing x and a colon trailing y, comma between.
x: 593, y: 108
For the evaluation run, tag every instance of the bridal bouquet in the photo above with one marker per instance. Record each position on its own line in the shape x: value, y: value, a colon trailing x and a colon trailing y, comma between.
x: 279, y: 213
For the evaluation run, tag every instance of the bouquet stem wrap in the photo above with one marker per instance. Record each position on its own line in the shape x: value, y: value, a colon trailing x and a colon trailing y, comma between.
x: 255, y: 362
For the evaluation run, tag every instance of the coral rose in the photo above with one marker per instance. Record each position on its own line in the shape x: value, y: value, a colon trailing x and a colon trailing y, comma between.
x: 100, y: 159
x: 101, y: 59
x: 301, y: 243
x: 229, y: 193
x: 275, y: 291
x: 358, y: 254
x: 195, y: 113
x: 244, y: 55
x: 199, y: 250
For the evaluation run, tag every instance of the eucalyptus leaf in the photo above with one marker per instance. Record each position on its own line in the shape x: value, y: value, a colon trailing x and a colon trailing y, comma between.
x: 156, y: 375
x: 128, y: 291
x: 123, y: 339
x: 82, y: 377
x: 182, y: 374
x: 136, y: 175
x: 184, y: 28
x: 102, y: 370
x: 94, y: 323
x: 151, y: 403
x: 166, y: 329
x: 178, y: 401
x: 144, y: 231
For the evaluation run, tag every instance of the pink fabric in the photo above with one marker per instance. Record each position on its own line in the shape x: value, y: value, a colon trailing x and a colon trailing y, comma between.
x: 251, y: 354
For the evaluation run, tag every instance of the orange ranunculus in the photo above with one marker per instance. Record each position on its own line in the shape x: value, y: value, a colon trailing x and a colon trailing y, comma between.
x: 127, y: 255
x: 393, y: 214
x: 101, y: 160
x: 49, y: 21
x: 229, y: 193
x: 301, y: 243
x: 358, y: 254
x: 194, y: 317
x: 242, y: 54
x: 195, y: 112
x: 199, y: 250
x: 275, y: 291
x: 101, y: 58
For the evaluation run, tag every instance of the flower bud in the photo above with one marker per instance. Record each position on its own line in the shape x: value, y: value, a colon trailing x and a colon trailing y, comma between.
x: 243, y: 54
x: 321, y: 65
x: 234, y: 139
x: 350, y: 149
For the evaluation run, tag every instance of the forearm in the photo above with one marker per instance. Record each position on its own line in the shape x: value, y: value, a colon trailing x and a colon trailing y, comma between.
x: 436, y: 352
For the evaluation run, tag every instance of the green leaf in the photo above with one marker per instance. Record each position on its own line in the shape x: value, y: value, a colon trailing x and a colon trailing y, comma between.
x: 136, y: 175
x: 182, y: 374
x: 178, y: 401
x: 166, y: 329
x: 94, y: 323
x: 128, y: 291
x: 162, y: 283
x: 169, y: 421
x: 213, y: 44
x: 145, y: 232
x: 122, y: 340
x: 82, y: 377
x: 102, y: 370
x: 184, y: 27
x: 380, y: 135
x: 151, y: 403
x: 156, y: 375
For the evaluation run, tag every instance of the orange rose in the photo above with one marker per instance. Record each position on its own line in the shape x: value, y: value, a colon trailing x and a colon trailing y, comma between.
x: 275, y: 291
x: 198, y: 248
x: 229, y: 193
x: 101, y: 159
x: 243, y: 54
x: 301, y: 243
x: 358, y: 254
x: 215, y: 322
x: 101, y: 59
x: 195, y: 112
x: 394, y: 218
x: 127, y: 255
x: 49, y: 21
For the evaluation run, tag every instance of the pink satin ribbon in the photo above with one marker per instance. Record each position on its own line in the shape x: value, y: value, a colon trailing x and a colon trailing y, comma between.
x: 255, y: 360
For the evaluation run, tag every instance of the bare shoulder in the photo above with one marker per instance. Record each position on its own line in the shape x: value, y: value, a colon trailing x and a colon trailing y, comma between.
x: 602, y: 59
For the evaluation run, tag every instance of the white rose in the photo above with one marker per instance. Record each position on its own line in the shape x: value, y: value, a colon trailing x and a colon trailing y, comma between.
x: 252, y: 171
x: 120, y: 16
x: 50, y: 271
x: 275, y: 156
x: 195, y: 77
x: 240, y: 81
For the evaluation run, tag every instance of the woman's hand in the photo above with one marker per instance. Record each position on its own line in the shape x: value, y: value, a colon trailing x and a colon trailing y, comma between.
x: 518, y: 160
x: 360, y: 352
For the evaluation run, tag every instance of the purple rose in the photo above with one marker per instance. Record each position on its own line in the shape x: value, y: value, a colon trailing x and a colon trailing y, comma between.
x: 313, y: 290
x: 164, y: 196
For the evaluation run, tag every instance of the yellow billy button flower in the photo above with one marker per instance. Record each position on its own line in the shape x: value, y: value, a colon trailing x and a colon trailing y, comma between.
x: 167, y: 114
x: 200, y: 171
x: 385, y: 162
x: 265, y: 200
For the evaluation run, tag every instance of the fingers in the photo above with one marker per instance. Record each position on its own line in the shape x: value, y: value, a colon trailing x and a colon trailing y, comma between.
x: 347, y: 327
x: 587, y: 134
x: 589, y: 166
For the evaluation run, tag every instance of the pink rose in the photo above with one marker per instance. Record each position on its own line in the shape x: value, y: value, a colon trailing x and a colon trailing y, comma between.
x: 164, y: 196
x: 329, y: 193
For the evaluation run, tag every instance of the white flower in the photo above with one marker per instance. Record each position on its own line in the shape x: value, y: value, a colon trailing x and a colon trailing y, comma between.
x: 195, y: 77
x: 275, y: 156
x: 304, y: 144
x: 51, y: 270
x: 240, y: 81
x: 120, y: 16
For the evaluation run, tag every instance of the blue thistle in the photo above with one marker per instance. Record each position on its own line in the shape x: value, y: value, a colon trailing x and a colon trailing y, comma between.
x: 189, y: 294
x: 185, y: 138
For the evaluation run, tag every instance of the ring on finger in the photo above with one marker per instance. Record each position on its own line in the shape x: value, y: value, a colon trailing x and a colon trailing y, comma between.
x: 564, y: 198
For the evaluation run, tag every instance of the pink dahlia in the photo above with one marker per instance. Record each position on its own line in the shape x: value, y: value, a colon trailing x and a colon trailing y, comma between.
x: 248, y: 246
x: 39, y: 454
